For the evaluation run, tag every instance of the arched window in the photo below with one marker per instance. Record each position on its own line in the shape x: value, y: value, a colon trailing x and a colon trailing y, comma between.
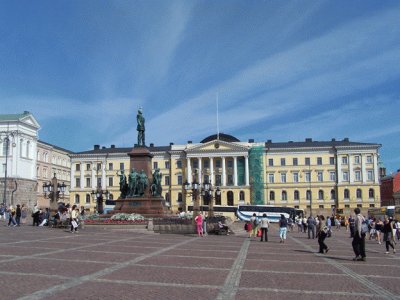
x: 346, y: 194
x: 272, y: 195
x: 296, y: 195
x: 333, y: 194
x: 218, y: 199
x: 167, y: 197
x: 21, y: 148
x: 308, y: 195
x: 371, y: 193
x: 241, y: 196
x: 110, y: 196
x: 77, y: 200
x: 230, y: 198
x: 320, y: 195
x: 87, y: 198
x: 284, y: 196
x: 359, y: 194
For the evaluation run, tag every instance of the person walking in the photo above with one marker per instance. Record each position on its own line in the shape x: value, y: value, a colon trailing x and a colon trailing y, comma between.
x: 264, y: 224
x: 378, y: 230
x: 205, y: 224
x: 359, y: 237
x: 254, y: 225
x: 322, y: 232
x: 352, y: 226
x: 282, y: 228
x: 311, y: 227
x: 35, y: 215
x: 74, y: 219
x: 388, y: 236
x: 199, y: 222
x: 2, y: 212
x: 248, y: 228
x: 11, y: 218
x: 18, y: 214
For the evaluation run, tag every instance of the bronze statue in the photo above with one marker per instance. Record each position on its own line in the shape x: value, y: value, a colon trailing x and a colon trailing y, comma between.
x: 122, y: 184
x: 156, y: 188
x: 133, y: 183
x: 142, y: 183
x: 140, y: 128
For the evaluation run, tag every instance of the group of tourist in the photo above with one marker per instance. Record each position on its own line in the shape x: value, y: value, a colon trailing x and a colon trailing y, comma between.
x: 13, y: 216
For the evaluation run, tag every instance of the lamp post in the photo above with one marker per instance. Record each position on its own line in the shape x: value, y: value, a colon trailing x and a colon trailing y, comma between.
x: 207, y: 192
x: 52, y: 190
x: 193, y: 189
x: 5, y: 138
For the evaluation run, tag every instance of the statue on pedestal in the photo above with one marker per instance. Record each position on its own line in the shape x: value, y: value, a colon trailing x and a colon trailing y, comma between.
x: 142, y: 183
x: 156, y: 188
x: 122, y: 184
x: 133, y: 183
x: 140, y: 128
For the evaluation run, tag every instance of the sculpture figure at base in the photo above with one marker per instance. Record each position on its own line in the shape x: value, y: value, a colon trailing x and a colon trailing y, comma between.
x: 122, y: 183
x: 133, y: 183
x: 156, y: 188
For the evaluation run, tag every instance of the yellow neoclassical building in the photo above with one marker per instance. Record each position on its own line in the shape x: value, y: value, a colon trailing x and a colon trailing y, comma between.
x: 320, y: 175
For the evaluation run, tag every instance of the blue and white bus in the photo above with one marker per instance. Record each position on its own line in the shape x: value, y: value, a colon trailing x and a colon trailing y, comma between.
x: 245, y: 212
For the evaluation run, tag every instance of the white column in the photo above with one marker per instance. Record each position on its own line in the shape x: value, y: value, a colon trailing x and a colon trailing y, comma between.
x: 247, y: 170
x: 363, y: 168
x: 200, y: 180
x: 82, y: 175
x: 351, y: 175
x: 189, y: 170
x: 103, y: 175
x: 94, y: 179
x: 223, y: 172
x: 72, y: 178
x: 235, y: 181
x: 211, y: 170
x: 339, y: 168
x: 376, y: 169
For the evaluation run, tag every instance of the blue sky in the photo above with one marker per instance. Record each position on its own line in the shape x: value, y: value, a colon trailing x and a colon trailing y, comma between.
x: 283, y: 70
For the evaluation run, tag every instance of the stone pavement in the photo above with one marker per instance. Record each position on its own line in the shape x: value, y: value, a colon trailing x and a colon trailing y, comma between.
x: 44, y: 263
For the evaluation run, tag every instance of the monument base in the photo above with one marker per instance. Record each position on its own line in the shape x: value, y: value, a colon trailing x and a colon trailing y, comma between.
x: 148, y: 207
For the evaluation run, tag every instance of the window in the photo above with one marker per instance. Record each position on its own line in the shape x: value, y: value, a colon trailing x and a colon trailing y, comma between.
x: 345, y: 176
x: 99, y: 181
x: 166, y: 180
x: 218, y: 180
x: 295, y: 161
x: 319, y: 161
x: 87, y: 167
x: 270, y: 162
x: 230, y: 163
x: 98, y: 168
x: 21, y: 148
x: 167, y: 164
x: 359, y: 194
x: 77, y: 200
x: 87, y: 199
x: 320, y: 195
x: 110, y: 166
x: 78, y: 182
x: 372, y: 205
x: 218, y: 163
x: 180, y: 179
x: 296, y: 177
x: 271, y: 178
x: 196, y: 164
x: 241, y: 196
x: 369, y: 159
x: 180, y: 197
x: 110, y: 181
x: 371, y: 193
x: 230, y: 199
x: 307, y: 161
x: 331, y: 160
x: 230, y: 179
x: 206, y: 178
x: 344, y: 160
x: 357, y: 175
x: 308, y: 195
x: 370, y: 175
x: 284, y: 196
x: 346, y: 206
x: 218, y: 199
x: 155, y: 164
x: 356, y: 159
x: 206, y: 164
x: 320, y: 176
x: 308, y: 177
x: 28, y: 145
x: 272, y: 195
x: 359, y: 205
x: 88, y: 182
x: 346, y: 194
x: 296, y: 195
x: 283, y: 177
x: 321, y: 206
x: 283, y: 162
x: 333, y: 194
x: 121, y: 166
x: 332, y: 176
x: 179, y: 164
x: 77, y: 167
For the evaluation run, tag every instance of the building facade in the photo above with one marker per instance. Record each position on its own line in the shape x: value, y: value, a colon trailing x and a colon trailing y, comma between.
x: 390, y: 189
x: 316, y: 175
x: 19, y: 138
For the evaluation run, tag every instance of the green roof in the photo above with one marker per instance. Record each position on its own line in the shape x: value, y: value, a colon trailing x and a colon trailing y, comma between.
x: 13, y: 117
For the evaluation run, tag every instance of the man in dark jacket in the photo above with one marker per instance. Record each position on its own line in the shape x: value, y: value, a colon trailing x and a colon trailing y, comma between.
x: 18, y: 214
x: 311, y: 227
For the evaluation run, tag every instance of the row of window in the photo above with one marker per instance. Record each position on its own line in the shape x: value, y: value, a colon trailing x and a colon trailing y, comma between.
x: 54, y: 160
x: 77, y: 199
x: 320, y: 176
x: 321, y: 196
x: 319, y: 160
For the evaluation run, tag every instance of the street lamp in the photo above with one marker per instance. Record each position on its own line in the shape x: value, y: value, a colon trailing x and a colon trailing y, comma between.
x: 193, y: 189
x: 207, y: 192
x: 52, y: 190
x: 5, y: 138
x: 98, y: 196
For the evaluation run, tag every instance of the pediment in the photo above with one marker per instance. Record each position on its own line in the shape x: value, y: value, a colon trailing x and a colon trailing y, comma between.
x: 30, y: 120
x: 217, y: 146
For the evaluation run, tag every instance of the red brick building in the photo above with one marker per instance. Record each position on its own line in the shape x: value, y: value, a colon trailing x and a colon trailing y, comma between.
x: 390, y: 187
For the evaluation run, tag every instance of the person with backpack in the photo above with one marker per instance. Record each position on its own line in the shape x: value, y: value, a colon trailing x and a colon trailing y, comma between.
x: 322, y: 232
x: 254, y: 225
x: 282, y: 228
x: 359, y: 236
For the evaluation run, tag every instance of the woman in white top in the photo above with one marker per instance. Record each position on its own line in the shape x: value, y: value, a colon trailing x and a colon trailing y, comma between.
x: 264, y: 224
